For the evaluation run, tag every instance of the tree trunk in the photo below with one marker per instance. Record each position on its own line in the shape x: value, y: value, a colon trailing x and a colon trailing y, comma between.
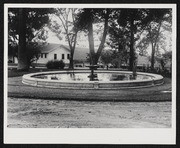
x: 91, y: 43
x: 72, y: 46
x: 94, y: 57
x: 107, y: 67
x: 101, y: 46
x: 152, y: 57
x: 13, y: 59
x: 154, y: 46
x: 119, y: 64
x: 71, y: 63
x: 131, y: 59
x: 22, y: 57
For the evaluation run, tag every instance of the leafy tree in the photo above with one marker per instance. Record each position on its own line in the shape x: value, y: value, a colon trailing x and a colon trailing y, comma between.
x: 23, y: 24
x: 22, y: 56
x: 160, y: 21
x: 164, y: 59
x: 12, y: 50
x: 67, y: 17
x: 119, y: 58
x: 134, y: 21
x: 106, y: 57
x: 85, y: 22
x: 33, y: 51
x: 119, y: 39
x: 114, y: 57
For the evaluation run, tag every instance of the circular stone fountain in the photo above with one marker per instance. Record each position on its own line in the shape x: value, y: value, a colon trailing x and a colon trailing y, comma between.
x: 80, y: 79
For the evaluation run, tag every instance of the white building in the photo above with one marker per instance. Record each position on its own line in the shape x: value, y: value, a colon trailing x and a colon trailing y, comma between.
x: 12, y: 59
x: 54, y: 52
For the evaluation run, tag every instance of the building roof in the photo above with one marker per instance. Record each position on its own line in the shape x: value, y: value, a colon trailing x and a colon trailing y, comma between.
x: 80, y: 53
x: 142, y: 60
x: 49, y: 47
x: 145, y: 61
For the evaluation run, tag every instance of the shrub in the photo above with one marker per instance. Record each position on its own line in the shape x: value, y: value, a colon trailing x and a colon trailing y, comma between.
x: 10, y: 61
x: 55, y: 64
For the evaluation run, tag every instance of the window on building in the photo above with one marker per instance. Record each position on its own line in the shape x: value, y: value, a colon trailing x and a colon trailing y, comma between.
x: 41, y: 55
x: 68, y: 56
x: 62, y: 56
x: 55, y: 56
x: 45, y: 55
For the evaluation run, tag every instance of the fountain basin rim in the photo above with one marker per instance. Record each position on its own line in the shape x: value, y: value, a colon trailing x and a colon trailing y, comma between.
x: 29, y: 77
x: 153, y: 76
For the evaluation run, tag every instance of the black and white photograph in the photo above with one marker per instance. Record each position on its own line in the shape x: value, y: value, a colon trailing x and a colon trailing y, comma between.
x: 90, y: 73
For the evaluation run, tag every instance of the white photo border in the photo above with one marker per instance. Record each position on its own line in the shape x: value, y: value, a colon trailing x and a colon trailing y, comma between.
x: 91, y: 135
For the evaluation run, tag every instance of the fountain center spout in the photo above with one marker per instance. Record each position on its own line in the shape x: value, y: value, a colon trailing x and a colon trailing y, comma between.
x: 93, y: 76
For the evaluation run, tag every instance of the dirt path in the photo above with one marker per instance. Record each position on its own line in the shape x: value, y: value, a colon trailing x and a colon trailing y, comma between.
x: 39, y: 113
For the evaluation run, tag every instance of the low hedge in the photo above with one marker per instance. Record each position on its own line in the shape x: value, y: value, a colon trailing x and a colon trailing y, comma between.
x: 55, y: 64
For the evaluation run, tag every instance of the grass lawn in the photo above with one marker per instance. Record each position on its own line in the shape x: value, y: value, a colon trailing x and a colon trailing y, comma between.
x: 13, y: 72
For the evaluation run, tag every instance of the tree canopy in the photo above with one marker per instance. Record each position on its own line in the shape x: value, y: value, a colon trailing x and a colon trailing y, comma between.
x: 24, y: 24
x: 66, y: 26
x: 128, y: 26
x: 36, y: 18
x: 160, y: 20
x: 85, y: 20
